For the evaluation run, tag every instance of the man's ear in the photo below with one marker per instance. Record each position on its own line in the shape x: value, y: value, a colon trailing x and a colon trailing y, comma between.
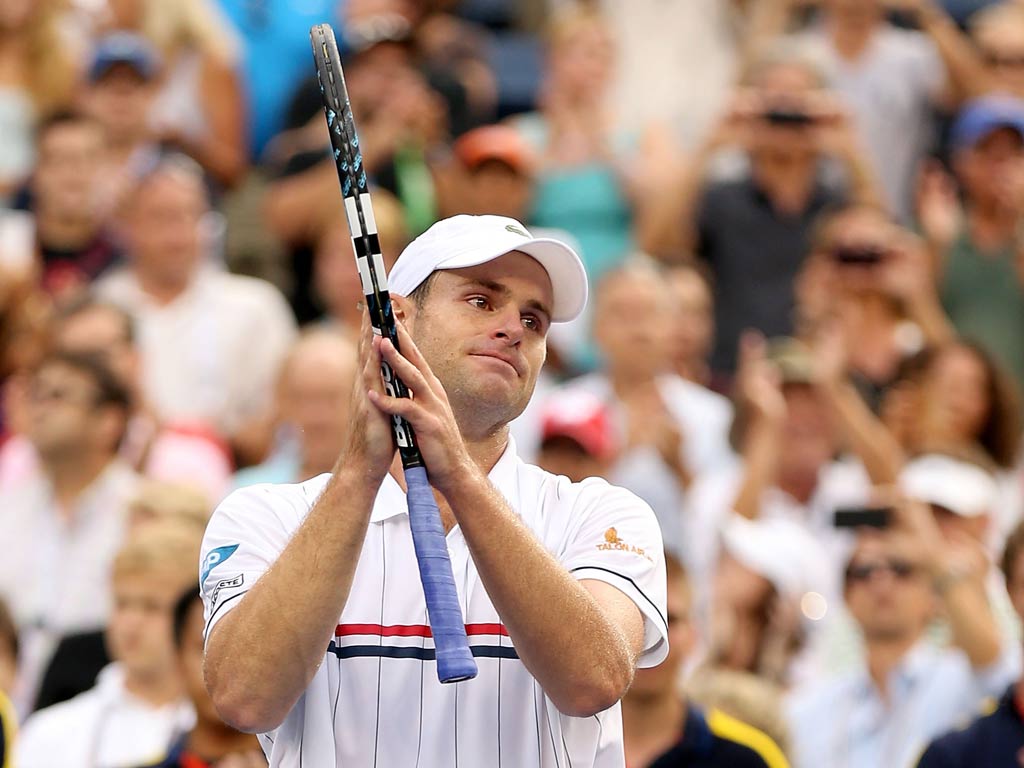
x: 403, y: 307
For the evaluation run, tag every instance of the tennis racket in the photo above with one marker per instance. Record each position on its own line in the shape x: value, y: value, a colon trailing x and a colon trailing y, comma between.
x: 454, y: 658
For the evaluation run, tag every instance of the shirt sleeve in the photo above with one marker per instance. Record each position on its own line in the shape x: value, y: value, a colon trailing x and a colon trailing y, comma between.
x: 615, y: 538
x: 246, y: 533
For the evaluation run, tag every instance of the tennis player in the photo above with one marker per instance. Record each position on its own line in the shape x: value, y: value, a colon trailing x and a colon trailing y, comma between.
x: 316, y: 628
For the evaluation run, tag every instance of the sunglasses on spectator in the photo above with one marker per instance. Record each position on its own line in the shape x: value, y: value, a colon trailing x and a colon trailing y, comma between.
x: 997, y: 60
x: 862, y: 572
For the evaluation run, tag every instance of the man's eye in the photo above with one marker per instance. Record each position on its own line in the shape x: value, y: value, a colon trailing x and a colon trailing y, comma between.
x: 479, y: 302
x: 531, y: 322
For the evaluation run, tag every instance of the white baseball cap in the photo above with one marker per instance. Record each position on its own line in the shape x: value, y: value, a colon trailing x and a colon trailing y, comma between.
x: 959, y: 486
x: 466, y: 241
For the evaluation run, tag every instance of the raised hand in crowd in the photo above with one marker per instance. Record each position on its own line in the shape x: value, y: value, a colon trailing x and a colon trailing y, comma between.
x: 649, y: 423
x: 938, y: 208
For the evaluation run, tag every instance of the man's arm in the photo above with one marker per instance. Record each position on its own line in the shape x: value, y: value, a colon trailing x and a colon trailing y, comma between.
x: 579, y: 639
x: 255, y: 684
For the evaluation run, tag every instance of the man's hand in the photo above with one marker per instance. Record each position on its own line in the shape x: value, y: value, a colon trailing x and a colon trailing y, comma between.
x: 428, y: 411
x: 758, y: 381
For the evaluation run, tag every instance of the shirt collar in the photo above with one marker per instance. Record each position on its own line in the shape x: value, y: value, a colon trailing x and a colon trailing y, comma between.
x: 391, y: 501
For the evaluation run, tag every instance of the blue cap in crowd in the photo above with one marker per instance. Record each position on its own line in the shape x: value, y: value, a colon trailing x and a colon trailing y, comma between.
x: 123, y: 48
x: 983, y: 116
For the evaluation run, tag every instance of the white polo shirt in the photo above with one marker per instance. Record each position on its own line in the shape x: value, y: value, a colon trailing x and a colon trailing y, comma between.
x: 376, y: 700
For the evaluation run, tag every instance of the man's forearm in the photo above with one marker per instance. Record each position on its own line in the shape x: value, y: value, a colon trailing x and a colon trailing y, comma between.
x: 965, y: 68
x: 575, y: 650
x: 255, y: 684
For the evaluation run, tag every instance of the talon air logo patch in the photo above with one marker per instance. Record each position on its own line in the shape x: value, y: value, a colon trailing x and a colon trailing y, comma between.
x: 612, y: 541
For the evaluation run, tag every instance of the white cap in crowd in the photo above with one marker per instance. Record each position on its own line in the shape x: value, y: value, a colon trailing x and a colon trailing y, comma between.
x: 959, y: 486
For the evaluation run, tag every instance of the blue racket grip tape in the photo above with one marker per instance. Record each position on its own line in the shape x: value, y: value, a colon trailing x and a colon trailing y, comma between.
x: 454, y: 659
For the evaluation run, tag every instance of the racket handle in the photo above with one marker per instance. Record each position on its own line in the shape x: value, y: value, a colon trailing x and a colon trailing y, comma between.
x: 454, y: 659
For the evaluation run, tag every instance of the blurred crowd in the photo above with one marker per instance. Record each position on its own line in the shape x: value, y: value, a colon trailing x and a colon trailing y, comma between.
x: 803, y: 223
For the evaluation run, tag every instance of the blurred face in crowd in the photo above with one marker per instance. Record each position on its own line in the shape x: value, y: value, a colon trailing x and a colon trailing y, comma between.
x: 581, y: 57
x: 498, y: 188
x: 887, y: 590
x: 738, y: 592
x: 101, y: 331
x: 139, y: 634
x: 785, y: 88
x: 693, y: 328
x: 682, y: 637
x: 190, y: 662
x: 855, y: 247
x: 955, y: 397
x: 808, y: 441
x: 335, y: 274
x: 15, y: 14
x: 859, y: 12
x: 64, y: 420
x: 316, y: 384
x: 163, y: 227
x: 990, y: 171
x: 67, y: 168
x: 561, y: 455
x: 633, y: 321
x: 120, y: 101
x: 1002, y: 46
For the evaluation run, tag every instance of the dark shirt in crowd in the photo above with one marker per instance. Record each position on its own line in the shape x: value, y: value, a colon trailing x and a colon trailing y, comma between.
x: 716, y: 740
x: 70, y: 268
x: 754, y: 253
x: 996, y: 739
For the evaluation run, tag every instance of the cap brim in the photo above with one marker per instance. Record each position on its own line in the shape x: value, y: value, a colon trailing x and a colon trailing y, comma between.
x: 564, y: 267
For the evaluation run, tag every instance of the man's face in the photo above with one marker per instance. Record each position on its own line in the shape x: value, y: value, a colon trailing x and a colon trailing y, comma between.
x: 101, y: 331
x: 190, y: 661
x: 633, y: 322
x: 682, y: 637
x: 63, y: 412
x: 315, y: 390
x: 787, y: 88
x: 990, y: 171
x: 1002, y: 47
x: 808, y: 437
x: 483, y: 332
x: 163, y: 227
x: 887, y: 590
x: 64, y: 182
x: 120, y: 100
x: 694, y: 326
x: 139, y: 633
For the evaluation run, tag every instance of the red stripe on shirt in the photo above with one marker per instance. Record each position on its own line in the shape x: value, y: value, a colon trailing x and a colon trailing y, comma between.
x: 412, y: 630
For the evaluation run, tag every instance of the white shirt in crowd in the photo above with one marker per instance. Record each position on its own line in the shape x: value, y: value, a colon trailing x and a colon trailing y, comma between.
x: 844, y: 722
x: 212, y: 354
x: 55, y: 570
x: 105, y: 727
x: 376, y: 699
x: 703, y: 418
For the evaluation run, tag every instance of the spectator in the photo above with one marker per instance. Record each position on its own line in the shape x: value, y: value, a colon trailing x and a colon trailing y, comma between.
x: 979, y: 247
x: 998, y: 33
x: 907, y: 691
x: 8, y: 667
x: 159, y: 449
x: 655, y: 710
x: 121, y: 85
x: 672, y: 429
x: 158, y: 501
x: 314, y: 387
x: 196, y: 323
x: 38, y: 76
x: 689, y: 286
x: 754, y: 231
x: 211, y: 742
x: 577, y: 436
x: 199, y: 107
x: 872, y: 281
x: 997, y: 738
x: 73, y: 233
x: 890, y: 78
x: 137, y: 706
x: 593, y: 183
x: 62, y: 526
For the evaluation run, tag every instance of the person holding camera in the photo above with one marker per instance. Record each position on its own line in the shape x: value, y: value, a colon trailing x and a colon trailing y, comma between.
x: 754, y: 230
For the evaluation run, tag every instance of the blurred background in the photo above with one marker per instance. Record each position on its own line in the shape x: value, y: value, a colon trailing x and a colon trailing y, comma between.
x: 802, y: 222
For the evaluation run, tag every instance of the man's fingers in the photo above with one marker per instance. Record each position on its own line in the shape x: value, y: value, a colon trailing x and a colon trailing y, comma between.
x: 404, y: 368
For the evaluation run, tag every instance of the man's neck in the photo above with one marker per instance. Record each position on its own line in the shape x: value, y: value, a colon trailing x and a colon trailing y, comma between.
x: 884, y: 656
x: 851, y: 39
x: 157, y: 689
x: 787, y: 180
x: 65, y: 233
x: 70, y: 478
x: 160, y: 291
x: 652, y: 724
x: 214, y: 740
x: 626, y: 380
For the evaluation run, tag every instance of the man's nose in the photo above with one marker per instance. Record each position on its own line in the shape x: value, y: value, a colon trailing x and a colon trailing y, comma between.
x: 509, y: 326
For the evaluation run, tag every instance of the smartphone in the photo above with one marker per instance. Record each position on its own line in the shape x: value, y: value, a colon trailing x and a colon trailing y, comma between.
x: 858, y: 255
x: 788, y: 117
x: 862, y: 517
